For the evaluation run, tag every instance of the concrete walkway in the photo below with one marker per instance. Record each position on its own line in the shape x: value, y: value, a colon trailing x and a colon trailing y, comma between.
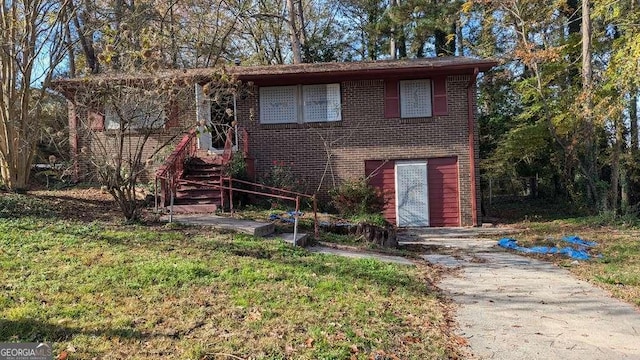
x: 514, y: 307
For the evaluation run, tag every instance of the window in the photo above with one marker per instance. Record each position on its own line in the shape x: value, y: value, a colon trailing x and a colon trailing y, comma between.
x: 300, y: 104
x: 140, y: 115
x: 322, y: 103
x: 279, y: 104
x: 415, y: 98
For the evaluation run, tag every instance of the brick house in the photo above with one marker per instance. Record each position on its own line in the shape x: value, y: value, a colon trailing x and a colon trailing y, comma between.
x: 407, y: 125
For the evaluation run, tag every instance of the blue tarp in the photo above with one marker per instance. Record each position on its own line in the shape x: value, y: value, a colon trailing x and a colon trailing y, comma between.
x: 290, y: 219
x: 579, y: 253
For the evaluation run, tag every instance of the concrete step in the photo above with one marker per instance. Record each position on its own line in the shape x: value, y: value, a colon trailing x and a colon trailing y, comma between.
x: 201, y: 176
x: 301, y: 238
x: 194, y: 208
x: 198, y: 194
x: 250, y: 227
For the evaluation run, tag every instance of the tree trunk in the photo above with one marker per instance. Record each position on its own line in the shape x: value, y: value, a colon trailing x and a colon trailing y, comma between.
x: 615, y: 165
x: 633, y: 122
x: 294, y: 35
x: 591, y: 155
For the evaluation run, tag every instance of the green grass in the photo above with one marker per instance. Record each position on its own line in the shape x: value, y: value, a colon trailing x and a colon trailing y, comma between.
x: 141, y: 292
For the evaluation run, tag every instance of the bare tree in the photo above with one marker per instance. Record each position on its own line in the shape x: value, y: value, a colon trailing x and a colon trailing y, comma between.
x: 31, y: 46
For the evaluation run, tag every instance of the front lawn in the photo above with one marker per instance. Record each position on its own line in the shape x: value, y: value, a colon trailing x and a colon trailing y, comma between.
x: 105, y: 290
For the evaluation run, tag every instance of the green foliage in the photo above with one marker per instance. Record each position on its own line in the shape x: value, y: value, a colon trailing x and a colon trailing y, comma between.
x: 370, y: 218
x: 281, y: 176
x: 356, y: 197
x: 237, y: 167
x: 14, y: 205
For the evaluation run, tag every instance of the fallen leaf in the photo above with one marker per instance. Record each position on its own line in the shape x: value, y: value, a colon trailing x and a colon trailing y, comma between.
x: 412, y: 340
x: 354, y: 349
x: 62, y: 356
x: 377, y: 355
x: 309, y: 342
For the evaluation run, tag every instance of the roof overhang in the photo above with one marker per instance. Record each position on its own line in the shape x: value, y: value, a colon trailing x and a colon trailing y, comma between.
x: 310, y: 73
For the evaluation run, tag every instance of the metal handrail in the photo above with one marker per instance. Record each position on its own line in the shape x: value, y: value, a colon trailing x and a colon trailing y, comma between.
x: 231, y: 189
x: 172, y: 169
x: 170, y: 173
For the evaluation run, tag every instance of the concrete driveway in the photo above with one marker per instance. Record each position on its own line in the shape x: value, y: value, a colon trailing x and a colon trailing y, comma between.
x: 514, y: 307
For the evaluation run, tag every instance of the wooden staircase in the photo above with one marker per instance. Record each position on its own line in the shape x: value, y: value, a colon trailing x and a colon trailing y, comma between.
x: 191, y: 197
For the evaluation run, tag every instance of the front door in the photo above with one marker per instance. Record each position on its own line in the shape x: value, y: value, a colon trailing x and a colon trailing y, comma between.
x: 216, y: 116
x: 412, y: 197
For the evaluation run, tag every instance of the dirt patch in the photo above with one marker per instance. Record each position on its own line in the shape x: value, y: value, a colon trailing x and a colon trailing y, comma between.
x: 81, y: 204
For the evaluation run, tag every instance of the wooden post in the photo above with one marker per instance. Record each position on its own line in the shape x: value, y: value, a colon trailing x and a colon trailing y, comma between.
x: 316, y: 232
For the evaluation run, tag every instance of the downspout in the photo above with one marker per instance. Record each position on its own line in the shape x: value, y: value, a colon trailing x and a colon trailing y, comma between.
x: 235, y: 122
x: 472, y: 149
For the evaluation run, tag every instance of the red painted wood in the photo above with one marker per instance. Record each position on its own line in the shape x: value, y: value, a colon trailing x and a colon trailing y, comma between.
x: 444, y: 203
x: 440, y: 96
x: 391, y: 99
x: 381, y: 175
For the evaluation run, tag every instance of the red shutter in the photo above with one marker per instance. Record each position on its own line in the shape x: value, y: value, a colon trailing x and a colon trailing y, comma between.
x: 95, y: 119
x: 440, y: 96
x: 391, y: 99
x: 172, y: 112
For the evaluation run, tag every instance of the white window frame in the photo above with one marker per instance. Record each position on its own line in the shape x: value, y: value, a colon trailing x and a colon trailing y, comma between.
x: 306, y: 104
x: 112, y: 121
x: 416, y: 98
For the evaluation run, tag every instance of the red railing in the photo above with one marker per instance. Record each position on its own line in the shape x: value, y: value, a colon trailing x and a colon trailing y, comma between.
x: 171, y: 171
x: 170, y: 175
x: 226, y: 183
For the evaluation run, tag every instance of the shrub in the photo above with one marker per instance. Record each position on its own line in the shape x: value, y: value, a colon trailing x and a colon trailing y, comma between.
x: 281, y: 176
x: 237, y: 167
x: 356, y: 197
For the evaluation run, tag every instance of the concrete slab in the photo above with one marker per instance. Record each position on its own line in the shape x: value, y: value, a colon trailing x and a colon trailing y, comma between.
x: 444, y: 260
x: 301, y: 238
x: 514, y: 307
x: 361, y: 255
x: 250, y: 227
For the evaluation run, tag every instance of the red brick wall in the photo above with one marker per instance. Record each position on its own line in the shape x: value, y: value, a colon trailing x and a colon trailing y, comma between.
x: 364, y: 134
x: 91, y: 145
